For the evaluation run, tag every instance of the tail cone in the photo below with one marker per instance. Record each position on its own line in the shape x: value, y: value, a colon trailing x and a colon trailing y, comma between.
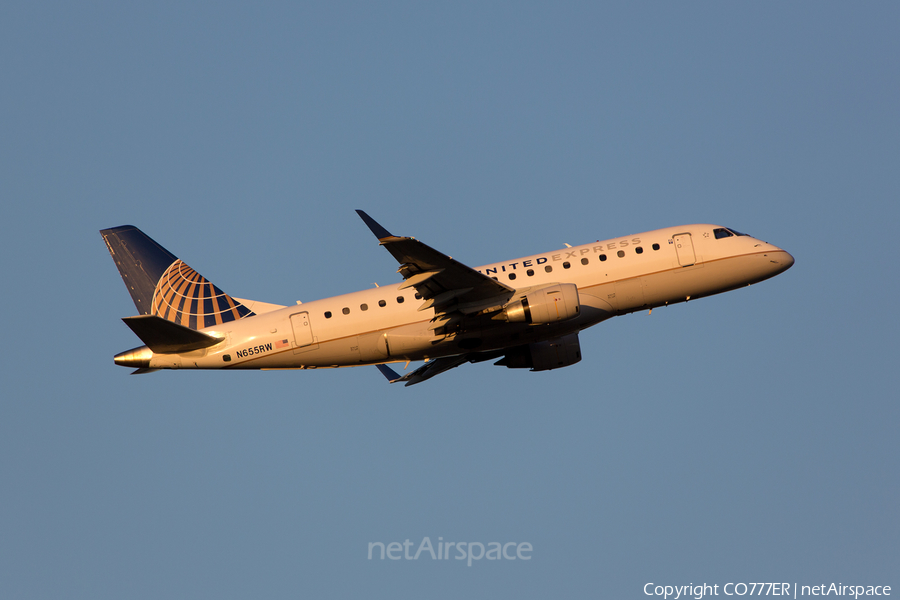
x: 138, y: 358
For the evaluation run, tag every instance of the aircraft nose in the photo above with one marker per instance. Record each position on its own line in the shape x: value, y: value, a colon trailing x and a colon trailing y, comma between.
x: 788, y: 260
x: 781, y: 259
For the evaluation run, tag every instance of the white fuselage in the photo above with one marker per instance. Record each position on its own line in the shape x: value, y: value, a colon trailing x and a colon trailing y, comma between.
x: 384, y: 324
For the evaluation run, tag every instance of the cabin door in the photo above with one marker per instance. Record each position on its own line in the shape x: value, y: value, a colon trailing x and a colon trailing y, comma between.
x: 302, y: 331
x: 684, y: 247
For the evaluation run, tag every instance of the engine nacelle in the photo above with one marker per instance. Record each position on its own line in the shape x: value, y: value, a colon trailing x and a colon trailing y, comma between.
x: 551, y: 304
x: 543, y: 356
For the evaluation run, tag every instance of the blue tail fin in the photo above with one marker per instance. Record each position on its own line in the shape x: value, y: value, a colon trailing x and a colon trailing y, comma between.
x: 161, y: 284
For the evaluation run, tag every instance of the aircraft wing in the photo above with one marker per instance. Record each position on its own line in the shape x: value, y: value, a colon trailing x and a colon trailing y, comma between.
x: 445, y: 284
x: 437, y: 366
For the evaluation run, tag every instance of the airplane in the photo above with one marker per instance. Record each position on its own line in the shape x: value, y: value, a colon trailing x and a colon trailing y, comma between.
x: 524, y: 313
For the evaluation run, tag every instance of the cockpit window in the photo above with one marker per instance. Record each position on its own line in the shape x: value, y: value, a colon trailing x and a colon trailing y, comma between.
x: 721, y: 232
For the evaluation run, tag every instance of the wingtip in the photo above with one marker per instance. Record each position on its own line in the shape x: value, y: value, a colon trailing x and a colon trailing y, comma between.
x: 389, y: 374
x: 379, y: 231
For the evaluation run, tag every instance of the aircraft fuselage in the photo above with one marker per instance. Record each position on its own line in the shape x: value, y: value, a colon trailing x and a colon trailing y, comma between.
x: 385, y: 324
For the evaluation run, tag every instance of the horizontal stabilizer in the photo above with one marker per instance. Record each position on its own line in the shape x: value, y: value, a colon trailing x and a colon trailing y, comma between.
x: 166, y: 337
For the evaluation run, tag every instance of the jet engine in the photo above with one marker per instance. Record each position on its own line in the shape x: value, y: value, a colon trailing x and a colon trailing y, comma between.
x: 543, y: 356
x: 558, y: 302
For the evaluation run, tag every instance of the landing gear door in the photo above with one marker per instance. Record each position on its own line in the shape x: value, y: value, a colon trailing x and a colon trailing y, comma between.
x: 684, y: 247
x: 303, y: 336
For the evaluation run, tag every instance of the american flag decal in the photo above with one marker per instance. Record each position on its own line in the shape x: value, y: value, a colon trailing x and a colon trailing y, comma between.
x: 282, y: 344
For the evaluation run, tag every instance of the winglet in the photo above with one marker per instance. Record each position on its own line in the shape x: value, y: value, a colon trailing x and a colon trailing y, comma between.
x: 379, y: 231
x: 388, y: 372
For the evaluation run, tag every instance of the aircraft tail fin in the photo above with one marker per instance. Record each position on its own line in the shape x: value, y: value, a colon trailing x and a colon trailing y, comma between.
x: 161, y: 284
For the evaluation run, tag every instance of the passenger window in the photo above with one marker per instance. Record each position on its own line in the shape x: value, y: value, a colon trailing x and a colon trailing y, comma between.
x: 399, y: 299
x: 620, y: 254
x: 656, y: 246
x: 327, y: 314
x: 602, y: 257
x: 345, y: 310
x: 584, y: 261
x: 382, y: 303
x: 638, y: 250
x: 363, y: 307
x: 530, y: 272
x: 512, y: 276
x: 566, y: 265
x: 418, y: 296
x: 548, y: 268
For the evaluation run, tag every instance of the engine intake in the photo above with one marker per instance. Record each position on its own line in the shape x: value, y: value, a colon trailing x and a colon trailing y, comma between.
x: 551, y: 304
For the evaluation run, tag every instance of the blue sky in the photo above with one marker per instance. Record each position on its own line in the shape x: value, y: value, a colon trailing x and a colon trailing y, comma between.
x: 745, y: 437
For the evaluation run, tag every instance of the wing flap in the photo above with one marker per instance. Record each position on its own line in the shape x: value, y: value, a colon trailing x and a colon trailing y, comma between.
x: 420, y: 278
